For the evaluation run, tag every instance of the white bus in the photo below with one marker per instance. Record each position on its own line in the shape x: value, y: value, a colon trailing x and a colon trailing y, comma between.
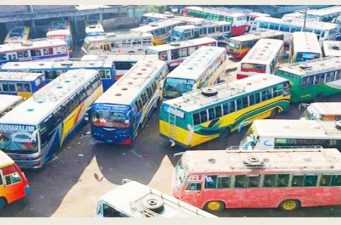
x: 17, y: 34
x: 117, y: 43
x: 324, y: 14
x: 94, y: 29
x: 323, y: 111
x: 133, y: 199
x: 175, y: 52
x: 323, y: 30
x: 202, y: 68
x: 33, y: 132
x: 33, y: 50
x: 8, y: 102
x: 154, y: 17
x: 263, y: 57
x: 331, y: 48
x: 304, y: 46
x: 273, y: 133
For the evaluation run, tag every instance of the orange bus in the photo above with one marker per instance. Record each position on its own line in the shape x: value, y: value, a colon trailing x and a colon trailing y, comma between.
x: 13, y: 183
x: 275, y: 178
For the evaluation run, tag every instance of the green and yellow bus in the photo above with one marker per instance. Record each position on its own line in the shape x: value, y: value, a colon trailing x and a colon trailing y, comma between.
x: 313, y: 79
x: 203, y: 115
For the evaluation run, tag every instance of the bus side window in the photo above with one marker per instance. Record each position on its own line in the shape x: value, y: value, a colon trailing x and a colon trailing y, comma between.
x: 283, y: 180
x: 269, y: 180
x: 194, y: 187
x: 336, y: 180
x: 310, y: 180
x: 297, y: 181
x: 240, y: 181
x: 210, y: 182
x: 254, y: 181
x: 12, y: 178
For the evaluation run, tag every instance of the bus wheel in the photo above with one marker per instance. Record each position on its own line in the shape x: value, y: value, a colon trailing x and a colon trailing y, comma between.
x: 214, y: 206
x: 2, y: 203
x: 289, y: 205
x: 274, y: 112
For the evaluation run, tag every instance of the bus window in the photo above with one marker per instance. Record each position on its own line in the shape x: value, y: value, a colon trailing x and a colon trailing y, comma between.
x: 254, y: 181
x: 108, y: 211
x: 194, y: 187
x: 297, y: 181
x: 240, y: 181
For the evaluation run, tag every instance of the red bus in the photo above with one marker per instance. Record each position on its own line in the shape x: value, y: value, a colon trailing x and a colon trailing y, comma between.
x: 276, y: 178
x: 13, y: 183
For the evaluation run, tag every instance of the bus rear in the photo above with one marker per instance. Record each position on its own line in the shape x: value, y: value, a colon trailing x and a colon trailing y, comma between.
x: 304, y: 46
x: 326, y: 111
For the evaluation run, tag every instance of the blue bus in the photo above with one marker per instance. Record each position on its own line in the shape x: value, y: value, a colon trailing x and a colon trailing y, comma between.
x: 52, y: 69
x: 118, y: 115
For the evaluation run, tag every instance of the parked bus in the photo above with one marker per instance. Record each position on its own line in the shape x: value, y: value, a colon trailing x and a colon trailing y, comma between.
x: 203, y: 115
x: 325, y: 111
x: 275, y: 178
x: 219, y: 30
x: 323, y: 30
x: 237, y: 19
x: 174, y: 53
x: 124, y: 109
x: 331, y: 48
x: 273, y: 133
x: 13, y: 183
x: 324, y: 14
x: 156, y: 17
x: 117, y: 43
x: 33, y: 50
x: 202, y: 68
x: 239, y: 46
x: 304, y: 46
x: 94, y: 29
x: 160, y: 30
x: 264, y: 57
x: 8, y: 102
x: 33, y: 131
x: 23, y: 84
x: 53, y: 69
x: 60, y: 29
x: 133, y: 199
x: 17, y: 34
x: 311, y: 80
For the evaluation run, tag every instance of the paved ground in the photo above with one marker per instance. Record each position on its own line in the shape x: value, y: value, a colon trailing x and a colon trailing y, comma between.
x: 84, y: 170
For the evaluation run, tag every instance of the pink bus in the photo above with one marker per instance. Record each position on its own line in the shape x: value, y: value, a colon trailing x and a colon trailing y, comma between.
x: 277, y: 178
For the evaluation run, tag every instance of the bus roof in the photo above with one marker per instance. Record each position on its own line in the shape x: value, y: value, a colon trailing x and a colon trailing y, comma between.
x: 196, y: 100
x: 5, y: 160
x: 125, y: 90
x: 47, y: 99
x: 263, y: 51
x: 324, y: 11
x: 181, y: 44
x: 299, y: 129
x: 127, y: 35
x: 58, y: 32
x: 118, y: 58
x: 31, y: 44
x: 257, y: 35
x: 156, y: 25
x: 209, y: 23
x: 129, y: 197
x: 306, y: 42
x: 8, y: 100
x: 332, y: 48
x: 327, y: 108
x: 229, y: 13
x: 169, y: 16
x: 272, y: 160
x: 196, y: 64
x: 19, y: 76
x: 313, y: 66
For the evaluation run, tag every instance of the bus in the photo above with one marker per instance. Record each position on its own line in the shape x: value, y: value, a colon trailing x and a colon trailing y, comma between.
x: 311, y: 80
x: 17, y: 34
x: 124, y: 109
x: 60, y: 29
x: 219, y: 30
x: 94, y: 29
x: 33, y: 50
x: 13, y: 182
x: 117, y: 43
x: 133, y: 199
x: 174, y: 53
x: 23, y: 84
x: 203, y: 115
x: 239, y: 46
x: 331, y: 48
x: 304, y: 46
x: 155, y: 17
x: 324, y: 14
x: 8, y: 102
x: 273, y: 178
x: 160, y: 30
x: 204, y: 67
x: 325, y: 111
x: 53, y: 69
x: 323, y: 30
x: 35, y: 130
x: 264, y: 57
x: 273, y: 133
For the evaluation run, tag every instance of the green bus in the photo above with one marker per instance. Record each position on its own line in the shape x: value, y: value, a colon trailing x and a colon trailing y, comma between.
x: 313, y: 79
x: 203, y: 115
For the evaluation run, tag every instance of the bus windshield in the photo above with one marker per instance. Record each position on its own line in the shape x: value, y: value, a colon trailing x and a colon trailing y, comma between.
x: 176, y: 34
x: 175, y: 87
x: 14, y: 138
x: 115, y: 117
x: 180, y: 171
x: 310, y: 114
x: 304, y: 56
x: 233, y: 44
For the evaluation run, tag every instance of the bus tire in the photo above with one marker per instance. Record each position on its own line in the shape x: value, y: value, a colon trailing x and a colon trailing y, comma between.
x: 3, y: 203
x: 214, y: 206
x: 153, y: 203
x: 274, y: 112
x: 290, y: 205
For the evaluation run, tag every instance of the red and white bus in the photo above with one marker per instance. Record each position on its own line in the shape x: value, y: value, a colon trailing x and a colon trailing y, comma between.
x: 276, y: 178
x: 239, y: 23
x: 264, y: 57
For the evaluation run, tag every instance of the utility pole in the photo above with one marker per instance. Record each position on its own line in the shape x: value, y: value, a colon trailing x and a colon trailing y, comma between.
x: 305, y: 18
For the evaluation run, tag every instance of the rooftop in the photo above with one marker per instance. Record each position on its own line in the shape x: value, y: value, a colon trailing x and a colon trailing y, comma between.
x: 18, y: 76
x: 332, y: 48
